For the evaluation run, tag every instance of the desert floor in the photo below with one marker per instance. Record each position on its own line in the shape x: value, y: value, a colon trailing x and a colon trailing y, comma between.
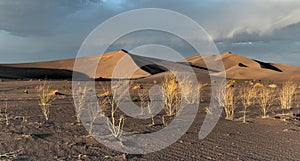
x: 25, y: 135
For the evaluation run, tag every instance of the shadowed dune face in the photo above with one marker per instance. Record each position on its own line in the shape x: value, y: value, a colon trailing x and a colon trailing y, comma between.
x: 268, y: 66
x: 242, y: 65
x: 38, y: 73
x: 154, y: 68
x: 236, y: 67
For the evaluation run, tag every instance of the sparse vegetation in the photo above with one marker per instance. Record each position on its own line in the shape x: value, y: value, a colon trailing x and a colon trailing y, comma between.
x: 225, y: 98
x: 94, y: 112
x: 165, y: 124
x: 45, y: 98
x: 247, y: 96
x: 149, y: 109
x: 143, y: 98
x: 229, y: 103
x: 145, y: 104
x: 266, y: 97
x: 189, y: 90
x: 80, y: 95
x: 116, y: 128
x: 137, y: 87
x: 83, y: 104
x: 286, y: 94
x: 171, y: 95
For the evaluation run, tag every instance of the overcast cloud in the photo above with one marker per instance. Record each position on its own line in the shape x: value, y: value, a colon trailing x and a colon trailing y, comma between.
x: 35, y: 30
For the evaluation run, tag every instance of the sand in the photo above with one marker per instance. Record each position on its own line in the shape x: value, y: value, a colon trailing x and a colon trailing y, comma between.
x: 61, y: 138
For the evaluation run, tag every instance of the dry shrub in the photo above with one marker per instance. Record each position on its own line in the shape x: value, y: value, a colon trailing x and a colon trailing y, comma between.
x: 137, y: 86
x: 145, y: 103
x: 45, y: 98
x: 225, y: 98
x: 247, y: 95
x: 115, y: 127
x: 105, y: 94
x: 286, y: 94
x: 81, y: 94
x: 265, y: 97
x: 144, y: 100
x: 94, y: 112
x: 84, y: 105
x: 175, y: 91
x: 189, y: 90
x: 229, y: 103
x: 171, y: 95
x: 163, y: 121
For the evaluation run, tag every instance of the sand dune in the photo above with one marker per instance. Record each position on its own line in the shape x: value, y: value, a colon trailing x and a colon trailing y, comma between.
x: 123, y: 65
x: 116, y: 64
x: 105, y: 67
x: 239, y: 67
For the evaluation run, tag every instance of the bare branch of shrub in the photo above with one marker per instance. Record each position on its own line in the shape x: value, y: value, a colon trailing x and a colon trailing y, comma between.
x: 266, y: 97
x: 145, y: 103
x: 189, y: 90
x: 171, y: 95
x: 286, y: 94
x: 81, y: 94
x: 115, y: 127
x: 45, y: 98
x: 225, y: 98
x: 247, y: 96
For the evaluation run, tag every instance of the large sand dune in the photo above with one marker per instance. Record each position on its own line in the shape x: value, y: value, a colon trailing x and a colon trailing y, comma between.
x: 239, y: 67
x: 104, y: 68
x: 121, y: 64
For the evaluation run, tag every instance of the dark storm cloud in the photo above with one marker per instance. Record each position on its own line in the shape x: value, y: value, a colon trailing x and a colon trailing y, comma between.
x: 234, y: 19
x: 40, y: 18
x: 34, y: 30
x: 35, y: 17
x: 223, y: 19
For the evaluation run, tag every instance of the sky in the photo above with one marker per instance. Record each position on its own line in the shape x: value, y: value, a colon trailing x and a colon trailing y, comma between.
x: 35, y: 30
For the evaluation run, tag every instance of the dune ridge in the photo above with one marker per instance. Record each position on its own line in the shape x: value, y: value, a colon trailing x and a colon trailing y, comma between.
x: 117, y: 64
x: 240, y: 67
